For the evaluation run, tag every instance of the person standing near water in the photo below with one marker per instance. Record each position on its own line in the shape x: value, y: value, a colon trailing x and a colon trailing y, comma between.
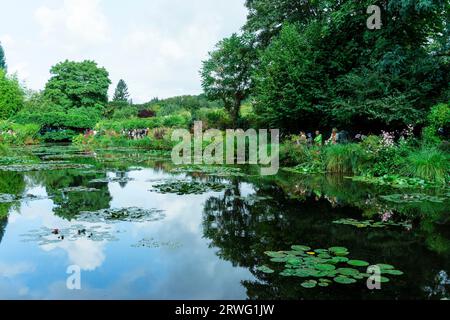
x: 318, y: 140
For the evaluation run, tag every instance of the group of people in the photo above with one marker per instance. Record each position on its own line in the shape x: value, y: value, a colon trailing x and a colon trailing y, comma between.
x: 317, y: 139
x: 136, y: 134
x: 9, y: 132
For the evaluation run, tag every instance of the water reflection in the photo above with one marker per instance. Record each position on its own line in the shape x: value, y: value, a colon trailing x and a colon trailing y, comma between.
x: 221, y: 237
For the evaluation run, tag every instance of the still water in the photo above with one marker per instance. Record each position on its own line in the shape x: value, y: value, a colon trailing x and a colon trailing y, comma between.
x: 206, y: 244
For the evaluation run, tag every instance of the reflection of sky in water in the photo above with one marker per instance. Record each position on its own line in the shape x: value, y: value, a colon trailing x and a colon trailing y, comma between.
x: 116, y: 269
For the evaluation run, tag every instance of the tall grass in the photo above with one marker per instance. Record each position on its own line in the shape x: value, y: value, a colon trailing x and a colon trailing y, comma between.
x: 345, y: 158
x: 429, y: 164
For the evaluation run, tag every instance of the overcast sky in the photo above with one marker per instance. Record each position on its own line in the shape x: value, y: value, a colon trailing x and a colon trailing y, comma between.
x: 155, y: 45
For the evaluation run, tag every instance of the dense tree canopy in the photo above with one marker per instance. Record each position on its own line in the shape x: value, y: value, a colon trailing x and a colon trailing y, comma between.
x: 121, y: 93
x: 319, y: 63
x: 226, y: 75
x: 2, y: 58
x: 77, y: 84
x: 11, y: 96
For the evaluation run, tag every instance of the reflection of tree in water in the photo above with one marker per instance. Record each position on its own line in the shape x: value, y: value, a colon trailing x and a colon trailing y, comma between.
x: 243, y: 230
x: 69, y: 204
x: 10, y: 183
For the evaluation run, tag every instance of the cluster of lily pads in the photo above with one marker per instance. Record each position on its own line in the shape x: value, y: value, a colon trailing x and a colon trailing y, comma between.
x: 322, y: 267
x: 46, y: 236
x: 112, y: 180
x: 48, y: 166
x: 154, y: 244
x: 78, y: 189
x: 394, y: 181
x: 132, y: 214
x: 412, y: 198
x: 211, y: 170
x: 307, y: 168
x: 372, y: 223
x: 9, y: 198
x: 182, y: 187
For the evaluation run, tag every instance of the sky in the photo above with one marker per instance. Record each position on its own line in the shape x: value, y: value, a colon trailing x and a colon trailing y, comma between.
x: 156, y: 46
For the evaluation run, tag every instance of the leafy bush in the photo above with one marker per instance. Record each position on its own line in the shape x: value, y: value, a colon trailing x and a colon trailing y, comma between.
x: 213, y: 118
x: 17, y: 134
x: 292, y: 154
x: 126, y: 112
x: 429, y: 164
x: 11, y: 96
x: 348, y: 158
x: 439, y: 117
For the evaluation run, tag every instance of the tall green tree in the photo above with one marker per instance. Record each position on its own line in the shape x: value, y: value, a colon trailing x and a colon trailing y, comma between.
x: 2, y: 58
x: 121, y: 93
x: 11, y: 96
x: 226, y: 75
x: 77, y: 84
x: 368, y: 78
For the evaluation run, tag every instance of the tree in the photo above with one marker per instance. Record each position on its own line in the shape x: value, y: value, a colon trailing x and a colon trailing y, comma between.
x: 11, y: 96
x: 318, y: 58
x: 226, y: 75
x: 289, y: 81
x: 2, y: 59
x: 78, y: 84
x: 121, y: 94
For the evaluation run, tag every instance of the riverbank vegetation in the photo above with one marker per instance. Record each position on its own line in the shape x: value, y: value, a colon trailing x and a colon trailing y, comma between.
x: 297, y: 67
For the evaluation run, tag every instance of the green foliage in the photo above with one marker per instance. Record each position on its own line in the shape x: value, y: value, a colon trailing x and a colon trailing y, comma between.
x: 176, y: 121
x: 226, y: 75
x: 121, y: 93
x: 124, y: 112
x: 428, y: 164
x: 77, y: 84
x: 348, y: 158
x: 289, y: 81
x: 438, y: 118
x: 213, y: 118
x: 321, y: 65
x: 17, y: 134
x: 11, y: 96
x: 2, y: 59
x: 57, y: 117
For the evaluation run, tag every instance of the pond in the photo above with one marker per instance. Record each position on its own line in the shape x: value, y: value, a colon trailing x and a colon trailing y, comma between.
x: 140, y: 228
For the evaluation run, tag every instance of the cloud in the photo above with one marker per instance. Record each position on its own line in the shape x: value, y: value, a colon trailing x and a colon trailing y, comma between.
x: 76, y: 19
x: 156, y: 46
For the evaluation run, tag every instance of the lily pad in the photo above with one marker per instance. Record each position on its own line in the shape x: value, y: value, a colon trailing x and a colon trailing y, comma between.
x: 344, y: 280
x: 310, y: 284
x: 265, y: 269
x: 358, y: 263
x: 300, y: 248
x: 132, y: 214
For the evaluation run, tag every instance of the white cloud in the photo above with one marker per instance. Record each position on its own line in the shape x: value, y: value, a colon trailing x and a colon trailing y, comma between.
x: 77, y: 19
x: 156, y: 46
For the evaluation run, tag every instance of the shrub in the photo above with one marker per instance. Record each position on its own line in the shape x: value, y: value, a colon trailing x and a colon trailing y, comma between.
x: 439, y: 117
x: 348, y: 158
x: 293, y: 154
x: 17, y: 134
x: 429, y: 164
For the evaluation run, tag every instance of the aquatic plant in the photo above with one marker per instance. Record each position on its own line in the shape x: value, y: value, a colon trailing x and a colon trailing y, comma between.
x: 428, y: 164
x: 78, y: 189
x: 322, y: 267
x: 132, y: 214
x: 210, y: 170
x: 45, y: 235
x: 372, y: 223
x: 412, y: 198
x: 49, y: 166
x: 151, y: 243
x: 182, y: 187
